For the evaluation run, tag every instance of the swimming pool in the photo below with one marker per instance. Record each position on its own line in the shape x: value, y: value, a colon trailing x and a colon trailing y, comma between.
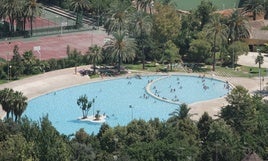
x: 148, y: 95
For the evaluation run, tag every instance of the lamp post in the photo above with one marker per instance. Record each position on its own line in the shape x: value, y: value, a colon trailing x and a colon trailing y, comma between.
x: 93, y: 102
x: 259, y: 60
x: 8, y: 63
x: 233, y: 58
x: 98, y: 14
x: 9, y: 72
x: 131, y: 107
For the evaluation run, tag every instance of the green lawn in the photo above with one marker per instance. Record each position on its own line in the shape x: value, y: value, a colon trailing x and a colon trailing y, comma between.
x: 242, y: 71
x: 192, y: 4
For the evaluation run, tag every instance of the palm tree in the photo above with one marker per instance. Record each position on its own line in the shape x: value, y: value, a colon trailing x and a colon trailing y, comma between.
x: 84, y: 104
x: 13, y: 10
x: 179, y: 115
x: 99, y: 8
x: 19, y: 104
x: 32, y: 9
x: 95, y: 55
x: 138, y: 4
x: 238, y: 26
x: 121, y: 47
x: 142, y: 24
x: 1, y: 9
x: 6, y: 98
x: 254, y: 6
x: 204, y: 12
x: 144, y: 4
x: 78, y: 6
x: 118, y: 16
x: 218, y: 32
x: 182, y: 112
x: 259, y: 60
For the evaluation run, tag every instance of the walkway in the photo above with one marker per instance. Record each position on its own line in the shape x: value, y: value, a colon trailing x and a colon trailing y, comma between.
x: 249, y: 60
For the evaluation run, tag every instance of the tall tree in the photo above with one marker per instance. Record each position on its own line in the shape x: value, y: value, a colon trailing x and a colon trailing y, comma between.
x: 16, y: 63
x: 238, y: 26
x: 171, y: 54
x: 19, y: 104
x: 199, y: 51
x: 78, y: 6
x: 30, y: 63
x: 84, y: 104
x: 142, y: 24
x: 32, y: 8
x: 254, y: 6
x: 146, y: 4
x: 6, y: 100
x: 240, y: 110
x: 217, y: 31
x: 259, y: 60
x: 99, y: 8
x: 13, y: 102
x: 236, y: 49
x: 16, y: 147
x: 50, y: 144
x: 95, y: 55
x: 180, y: 113
x: 203, y: 126
x: 204, y: 12
x: 118, y: 16
x: 12, y: 9
x: 166, y: 24
x: 122, y: 48
x: 222, y: 143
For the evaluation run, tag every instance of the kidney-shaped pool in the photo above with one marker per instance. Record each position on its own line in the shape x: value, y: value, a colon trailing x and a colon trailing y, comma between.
x: 124, y: 99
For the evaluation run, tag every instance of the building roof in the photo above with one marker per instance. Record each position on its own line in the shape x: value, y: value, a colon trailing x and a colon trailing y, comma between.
x: 257, y: 34
x: 252, y: 157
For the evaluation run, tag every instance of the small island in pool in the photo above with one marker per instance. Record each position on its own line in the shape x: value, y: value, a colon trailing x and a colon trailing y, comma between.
x: 94, y: 119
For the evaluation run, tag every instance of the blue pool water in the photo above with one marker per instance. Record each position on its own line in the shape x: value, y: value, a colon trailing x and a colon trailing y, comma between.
x: 114, y: 98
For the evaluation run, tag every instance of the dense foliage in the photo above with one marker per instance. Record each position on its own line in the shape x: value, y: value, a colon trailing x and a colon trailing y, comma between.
x: 14, y: 103
x: 242, y: 127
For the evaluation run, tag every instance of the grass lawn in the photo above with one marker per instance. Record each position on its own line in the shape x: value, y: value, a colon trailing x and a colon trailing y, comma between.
x: 241, y: 71
x: 192, y: 4
x: 3, y: 81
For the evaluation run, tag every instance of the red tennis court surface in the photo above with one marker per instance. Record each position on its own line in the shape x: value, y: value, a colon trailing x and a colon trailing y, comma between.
x: 40, y: 22
x: 53, y: 46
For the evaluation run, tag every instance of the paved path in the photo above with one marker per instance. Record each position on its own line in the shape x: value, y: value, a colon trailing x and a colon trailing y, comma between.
x: 249, y: 60
x: 48, y: 82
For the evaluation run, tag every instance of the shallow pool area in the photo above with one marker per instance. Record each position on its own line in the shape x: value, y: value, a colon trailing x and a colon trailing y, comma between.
x: 124, y: 99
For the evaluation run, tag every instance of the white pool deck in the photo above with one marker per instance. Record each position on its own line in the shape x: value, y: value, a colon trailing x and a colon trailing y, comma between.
x: 51, y: 81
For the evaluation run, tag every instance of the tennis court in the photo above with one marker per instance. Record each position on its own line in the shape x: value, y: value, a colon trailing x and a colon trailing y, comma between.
x: 50, y: 23
x: 192, y: 4
x: 53, y: 46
